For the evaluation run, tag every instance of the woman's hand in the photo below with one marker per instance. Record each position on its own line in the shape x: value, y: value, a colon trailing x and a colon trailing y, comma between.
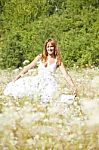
x: 75, y: 92
x: 19, y: 76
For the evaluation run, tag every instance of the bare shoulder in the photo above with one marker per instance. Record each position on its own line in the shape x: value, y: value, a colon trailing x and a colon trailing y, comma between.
x: 38, y: 57
x: 35, y: 60
x: 61, y: 63
x: 62, y: 66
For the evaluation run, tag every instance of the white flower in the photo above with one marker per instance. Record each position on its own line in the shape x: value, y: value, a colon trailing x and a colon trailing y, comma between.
x: 20, y: 68
x: 26, y: 62
x: 16, y: 70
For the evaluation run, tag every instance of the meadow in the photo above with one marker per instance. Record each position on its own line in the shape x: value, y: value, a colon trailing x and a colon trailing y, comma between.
x: 31, y: 125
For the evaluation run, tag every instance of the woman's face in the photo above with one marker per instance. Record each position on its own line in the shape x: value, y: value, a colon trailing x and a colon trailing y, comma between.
x: 50, y: 48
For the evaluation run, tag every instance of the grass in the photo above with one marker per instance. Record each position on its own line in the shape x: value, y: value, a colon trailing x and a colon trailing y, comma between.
x: 30, y: 125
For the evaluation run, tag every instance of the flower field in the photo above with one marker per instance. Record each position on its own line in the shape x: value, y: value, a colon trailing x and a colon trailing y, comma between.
x: 31, y: 125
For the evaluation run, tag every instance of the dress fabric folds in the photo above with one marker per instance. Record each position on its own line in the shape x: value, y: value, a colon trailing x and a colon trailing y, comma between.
x: 43, y: 85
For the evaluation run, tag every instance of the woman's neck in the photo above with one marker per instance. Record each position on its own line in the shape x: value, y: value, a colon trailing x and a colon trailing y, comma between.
x: 50, y: 57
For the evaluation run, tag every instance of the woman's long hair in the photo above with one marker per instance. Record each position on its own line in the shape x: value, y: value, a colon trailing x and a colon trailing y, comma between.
x: 57, y: 54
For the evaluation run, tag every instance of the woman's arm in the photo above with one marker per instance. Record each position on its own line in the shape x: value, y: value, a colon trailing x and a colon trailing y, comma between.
x: 28, y: 67
x: 68, y: 78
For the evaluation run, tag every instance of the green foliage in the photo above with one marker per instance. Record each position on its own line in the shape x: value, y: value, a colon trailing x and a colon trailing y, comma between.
x: 25, y: 25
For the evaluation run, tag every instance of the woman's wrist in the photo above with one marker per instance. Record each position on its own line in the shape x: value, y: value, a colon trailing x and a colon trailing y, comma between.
x: 75, y: 92
x: 19, y: 76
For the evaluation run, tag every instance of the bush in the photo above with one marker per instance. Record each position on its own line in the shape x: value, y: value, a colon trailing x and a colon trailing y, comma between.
x: 26, y: 25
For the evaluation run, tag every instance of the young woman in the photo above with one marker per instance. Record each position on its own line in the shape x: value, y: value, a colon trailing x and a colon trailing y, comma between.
x: 43, y: 84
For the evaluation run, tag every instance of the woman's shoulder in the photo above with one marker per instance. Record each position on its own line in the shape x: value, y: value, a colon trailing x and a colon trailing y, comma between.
x: 38, y: 57
x: 58, y: 62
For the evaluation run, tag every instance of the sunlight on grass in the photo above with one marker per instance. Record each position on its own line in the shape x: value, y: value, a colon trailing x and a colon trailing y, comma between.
x: 31, y: 125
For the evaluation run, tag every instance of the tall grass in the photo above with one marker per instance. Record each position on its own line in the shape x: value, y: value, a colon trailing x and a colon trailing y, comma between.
x: 31, y: 125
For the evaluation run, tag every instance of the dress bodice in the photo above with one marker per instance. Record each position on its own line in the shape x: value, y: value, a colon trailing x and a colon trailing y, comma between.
x: 46, y: 70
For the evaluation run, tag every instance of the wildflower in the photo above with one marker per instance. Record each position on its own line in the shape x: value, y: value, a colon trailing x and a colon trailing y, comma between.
x: 26, y: 62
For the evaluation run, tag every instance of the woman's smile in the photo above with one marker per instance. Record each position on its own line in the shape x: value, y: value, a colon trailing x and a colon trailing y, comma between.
x: 50, y: 48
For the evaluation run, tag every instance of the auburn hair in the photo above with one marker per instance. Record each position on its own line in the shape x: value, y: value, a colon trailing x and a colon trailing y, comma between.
x: 57, y: 54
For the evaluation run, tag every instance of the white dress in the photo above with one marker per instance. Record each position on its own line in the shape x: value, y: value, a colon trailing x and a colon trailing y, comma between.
x: 43, y: 84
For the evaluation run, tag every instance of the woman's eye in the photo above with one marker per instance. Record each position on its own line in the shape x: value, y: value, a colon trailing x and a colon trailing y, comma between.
x: 50, y: 46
